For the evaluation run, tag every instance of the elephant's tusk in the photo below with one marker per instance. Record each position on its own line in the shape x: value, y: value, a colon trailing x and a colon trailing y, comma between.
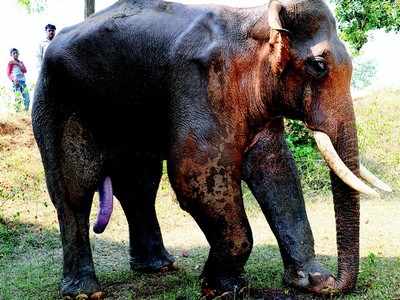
x: 333, y: 160
x: 373, y: 180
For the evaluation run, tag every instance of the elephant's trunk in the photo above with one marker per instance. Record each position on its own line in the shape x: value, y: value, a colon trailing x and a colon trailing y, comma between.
x: 347, y: 211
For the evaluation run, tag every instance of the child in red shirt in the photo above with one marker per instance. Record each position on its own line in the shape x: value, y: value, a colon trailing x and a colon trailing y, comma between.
x: 16, y: 72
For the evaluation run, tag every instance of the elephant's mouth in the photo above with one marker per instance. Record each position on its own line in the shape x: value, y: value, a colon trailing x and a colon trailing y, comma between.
x: 333, y: 160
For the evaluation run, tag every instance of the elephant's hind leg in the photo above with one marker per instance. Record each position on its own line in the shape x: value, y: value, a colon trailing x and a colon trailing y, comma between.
x: 136, y: 182
x: 72, y: 167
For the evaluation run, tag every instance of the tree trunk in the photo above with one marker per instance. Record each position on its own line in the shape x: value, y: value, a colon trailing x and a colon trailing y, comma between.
x: 89, y: 7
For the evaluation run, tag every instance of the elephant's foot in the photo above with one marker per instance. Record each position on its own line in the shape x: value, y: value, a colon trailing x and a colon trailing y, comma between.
x: 223, y: 287
x: 157, y: 263
x: 80, y: 288
x: 311, y: 277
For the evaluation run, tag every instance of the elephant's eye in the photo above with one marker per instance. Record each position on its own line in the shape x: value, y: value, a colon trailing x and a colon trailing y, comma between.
x: 316, y: 67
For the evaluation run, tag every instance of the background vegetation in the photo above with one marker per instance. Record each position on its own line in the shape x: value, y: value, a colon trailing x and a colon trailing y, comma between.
x: 358, y: 17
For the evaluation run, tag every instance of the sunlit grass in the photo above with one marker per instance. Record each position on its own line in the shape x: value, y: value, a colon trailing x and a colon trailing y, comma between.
x: 379, y: 134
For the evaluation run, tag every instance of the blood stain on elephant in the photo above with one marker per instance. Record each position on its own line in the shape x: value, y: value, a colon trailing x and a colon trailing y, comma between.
x: 213, y: 184
x: 211, y: 180
x: 236, y: 246
x: 228, y: 208
x: 236, y: 92
x: 231, y: 244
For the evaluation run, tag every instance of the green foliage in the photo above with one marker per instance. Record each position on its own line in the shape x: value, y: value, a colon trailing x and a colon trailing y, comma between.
x: 33, y: 6
x: 297, y: 135
x: 10, y: 101
x: 357, y: 17
x: 368, y: 270
x: 312, y: 170
x: 19, y: 102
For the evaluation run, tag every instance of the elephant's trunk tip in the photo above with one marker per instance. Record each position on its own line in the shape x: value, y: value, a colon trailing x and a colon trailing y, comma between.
x: 105, y: 206
x: 347, y: 282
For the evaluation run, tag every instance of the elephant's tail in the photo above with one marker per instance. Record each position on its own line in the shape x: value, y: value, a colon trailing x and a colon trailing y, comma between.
x: 105, y: 206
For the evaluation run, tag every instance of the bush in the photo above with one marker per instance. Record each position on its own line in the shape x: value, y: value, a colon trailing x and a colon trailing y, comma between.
x: 11, y: 102
x: 312, y: 169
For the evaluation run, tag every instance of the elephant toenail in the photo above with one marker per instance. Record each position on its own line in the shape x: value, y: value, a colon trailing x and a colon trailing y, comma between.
x: 174, y: 266
x: 331, y: 281
x: 224, y: 296
x: 301, y: 274
x: 208, y: 293
x: 97, y: 296
x: 315, y: 278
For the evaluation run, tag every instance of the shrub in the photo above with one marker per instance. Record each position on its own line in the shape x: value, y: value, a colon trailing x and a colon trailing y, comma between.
x: 11, y: 102
x: 312, y: 170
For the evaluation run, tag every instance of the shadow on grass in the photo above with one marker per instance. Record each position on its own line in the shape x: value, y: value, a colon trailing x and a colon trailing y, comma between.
x: 33, y: 268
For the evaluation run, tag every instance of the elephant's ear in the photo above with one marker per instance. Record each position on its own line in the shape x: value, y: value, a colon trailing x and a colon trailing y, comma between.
x: 279, y: 53
x: 269, y: 28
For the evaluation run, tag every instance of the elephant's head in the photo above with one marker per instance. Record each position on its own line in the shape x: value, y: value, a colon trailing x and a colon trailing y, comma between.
x: 311, y: 71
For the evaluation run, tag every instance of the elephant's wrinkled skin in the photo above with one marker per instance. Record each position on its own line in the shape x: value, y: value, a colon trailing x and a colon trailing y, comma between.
x: 205, y: 87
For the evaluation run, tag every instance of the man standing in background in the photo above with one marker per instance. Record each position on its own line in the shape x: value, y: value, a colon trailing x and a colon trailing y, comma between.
x: 16, y: 72
x: 50, y: 34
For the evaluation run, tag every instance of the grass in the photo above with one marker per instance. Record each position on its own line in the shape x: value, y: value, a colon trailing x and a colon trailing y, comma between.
x: 379, y: 134
x: 31, y: 255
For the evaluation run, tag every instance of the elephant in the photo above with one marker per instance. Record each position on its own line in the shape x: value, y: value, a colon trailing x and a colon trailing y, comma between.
x: 206, y: 88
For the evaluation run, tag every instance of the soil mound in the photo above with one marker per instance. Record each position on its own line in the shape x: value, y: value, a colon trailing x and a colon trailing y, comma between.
x: 15, y: 132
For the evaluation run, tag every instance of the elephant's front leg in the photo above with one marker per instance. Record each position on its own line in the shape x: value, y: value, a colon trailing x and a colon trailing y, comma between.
x: 271, y: 174
x: 207, y: 185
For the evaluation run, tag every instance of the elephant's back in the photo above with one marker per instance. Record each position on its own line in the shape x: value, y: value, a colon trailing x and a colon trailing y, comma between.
x: 122, y: 53
x: 114, y: 69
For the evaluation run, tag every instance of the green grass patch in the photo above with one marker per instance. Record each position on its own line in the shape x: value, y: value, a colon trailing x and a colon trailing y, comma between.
x: 8, y: 238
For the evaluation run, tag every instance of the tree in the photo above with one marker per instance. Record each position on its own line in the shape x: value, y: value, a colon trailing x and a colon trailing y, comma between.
x: 39, y: 5
x: 33, y: 6
x: 357, y: 17
x: 89, y: 7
